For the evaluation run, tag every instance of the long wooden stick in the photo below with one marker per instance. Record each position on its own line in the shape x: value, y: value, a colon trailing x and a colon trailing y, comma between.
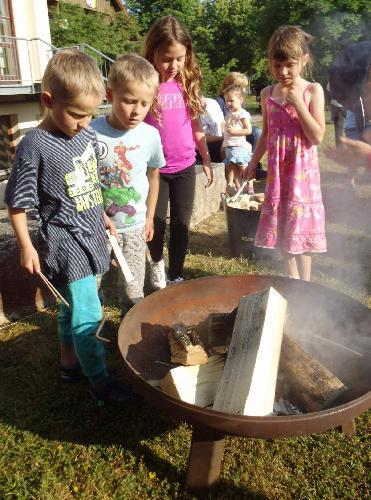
x: 54, y: 291
x: 234, y: 198
x: 120, y: 258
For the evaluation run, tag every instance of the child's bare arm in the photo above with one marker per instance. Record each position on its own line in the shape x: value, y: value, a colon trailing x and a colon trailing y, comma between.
x: 29, y: 257
x: 237, y: 132
x: 261, y: 146
x: 312, y: 120
x: 153, y: 175
x: 200, y: 140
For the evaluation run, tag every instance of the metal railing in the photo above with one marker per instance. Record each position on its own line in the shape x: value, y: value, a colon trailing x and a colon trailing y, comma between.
x: 104, y: 62
x: 20, y: 59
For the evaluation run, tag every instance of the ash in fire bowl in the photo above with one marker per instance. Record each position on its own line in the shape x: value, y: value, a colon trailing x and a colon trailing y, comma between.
x: 326, y: 335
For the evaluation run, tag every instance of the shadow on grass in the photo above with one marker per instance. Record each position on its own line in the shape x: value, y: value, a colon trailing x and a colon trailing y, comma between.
x: 33, y: 400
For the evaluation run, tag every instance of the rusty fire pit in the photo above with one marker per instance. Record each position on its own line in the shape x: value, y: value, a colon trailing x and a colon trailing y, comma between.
x: 314, y: 313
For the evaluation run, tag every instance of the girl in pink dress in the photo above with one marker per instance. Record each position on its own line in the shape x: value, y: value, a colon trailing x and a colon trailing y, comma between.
x: 292, y: 217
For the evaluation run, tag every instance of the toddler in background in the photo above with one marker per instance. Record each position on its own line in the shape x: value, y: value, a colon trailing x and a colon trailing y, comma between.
x: 236, y: 149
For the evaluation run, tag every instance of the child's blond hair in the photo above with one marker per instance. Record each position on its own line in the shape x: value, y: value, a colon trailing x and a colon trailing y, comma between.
x: 290, y: 42
x: 69, y: 73
x: 132, y: 68
x: 163, y: 33
x: 234, y: 81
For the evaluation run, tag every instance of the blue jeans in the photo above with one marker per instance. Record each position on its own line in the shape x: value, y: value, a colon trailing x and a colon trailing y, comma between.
x: 78, y: 323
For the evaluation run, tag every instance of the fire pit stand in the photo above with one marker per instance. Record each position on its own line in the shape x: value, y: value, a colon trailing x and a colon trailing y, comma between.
x: 314, y: 312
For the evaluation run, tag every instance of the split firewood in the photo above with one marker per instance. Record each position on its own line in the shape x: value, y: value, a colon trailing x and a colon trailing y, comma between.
x: 185, y: 346
x: 304, y: 381
x: 216, y: 330
x: 194, y: 384
x: 248, y: 381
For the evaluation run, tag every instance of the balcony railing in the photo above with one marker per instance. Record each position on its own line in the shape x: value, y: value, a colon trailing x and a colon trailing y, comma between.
x: 22, y: 60
x: 104, y: 62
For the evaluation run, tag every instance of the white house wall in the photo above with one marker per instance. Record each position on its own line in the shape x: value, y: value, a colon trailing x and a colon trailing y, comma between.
x: 31, y: 21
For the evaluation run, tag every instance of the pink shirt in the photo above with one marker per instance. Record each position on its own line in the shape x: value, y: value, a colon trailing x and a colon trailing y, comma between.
x: 175, y: 128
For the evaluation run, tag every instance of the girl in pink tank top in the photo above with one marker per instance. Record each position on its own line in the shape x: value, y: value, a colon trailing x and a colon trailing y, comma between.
x: 292, y: 217
x: 168, y: 47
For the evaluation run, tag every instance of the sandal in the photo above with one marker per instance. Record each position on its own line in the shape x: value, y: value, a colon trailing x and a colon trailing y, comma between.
x: 112, y: 392
x: 71, y: 375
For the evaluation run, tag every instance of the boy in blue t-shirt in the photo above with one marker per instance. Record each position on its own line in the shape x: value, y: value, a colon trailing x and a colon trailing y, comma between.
x: 56, y: 170
x: 130, y: 155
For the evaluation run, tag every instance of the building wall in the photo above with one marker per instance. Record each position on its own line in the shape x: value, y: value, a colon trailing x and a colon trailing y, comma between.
x: 103, y: 6
x: 30, y: 18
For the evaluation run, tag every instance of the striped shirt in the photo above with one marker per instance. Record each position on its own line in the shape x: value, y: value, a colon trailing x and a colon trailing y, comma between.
x: 59, y: 175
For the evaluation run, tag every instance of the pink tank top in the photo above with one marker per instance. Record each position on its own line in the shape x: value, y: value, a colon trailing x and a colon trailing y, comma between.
x: 175, y: 128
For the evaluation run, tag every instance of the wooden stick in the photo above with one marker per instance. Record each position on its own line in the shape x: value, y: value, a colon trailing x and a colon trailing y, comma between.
x: 54, y: 291
x: 120, y: 258
x: 99, y: 330
x: 239, y: 191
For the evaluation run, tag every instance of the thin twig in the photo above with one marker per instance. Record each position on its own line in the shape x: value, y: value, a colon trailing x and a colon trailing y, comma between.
x: 54, y: 291
x: 99, y: 330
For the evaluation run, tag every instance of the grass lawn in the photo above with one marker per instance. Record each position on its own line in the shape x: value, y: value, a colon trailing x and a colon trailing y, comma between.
x: 56, y: 443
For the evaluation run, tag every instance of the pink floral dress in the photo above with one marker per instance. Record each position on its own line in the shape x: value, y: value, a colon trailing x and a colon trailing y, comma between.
x: 293, y: 216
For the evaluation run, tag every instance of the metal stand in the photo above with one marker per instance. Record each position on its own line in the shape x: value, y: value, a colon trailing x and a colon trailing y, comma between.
x: 349, y: 427
x: 205, y: 461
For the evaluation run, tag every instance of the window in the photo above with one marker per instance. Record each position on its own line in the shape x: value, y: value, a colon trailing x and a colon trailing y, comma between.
x: 8, y: 58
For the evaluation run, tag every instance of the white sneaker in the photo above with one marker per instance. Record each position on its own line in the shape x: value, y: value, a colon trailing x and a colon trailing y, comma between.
x: 174, y: 282
x: 157, y: 275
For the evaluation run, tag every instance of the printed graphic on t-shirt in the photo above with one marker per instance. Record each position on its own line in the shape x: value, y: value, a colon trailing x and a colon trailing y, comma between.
x: 119, y: 196
x: 171, y: 101
x: 82, y: 182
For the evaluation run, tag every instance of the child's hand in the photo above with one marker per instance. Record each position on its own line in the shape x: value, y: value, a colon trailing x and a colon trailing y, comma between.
x: 208, y: 171
x: 30, y: 259
x: 295, y: 97
x: 149, y: 228
x: 110, y: 226
x: 232, y: 130
x: 249, y: 173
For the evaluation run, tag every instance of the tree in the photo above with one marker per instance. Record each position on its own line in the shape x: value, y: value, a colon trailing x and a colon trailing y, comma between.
x: 72, y: 25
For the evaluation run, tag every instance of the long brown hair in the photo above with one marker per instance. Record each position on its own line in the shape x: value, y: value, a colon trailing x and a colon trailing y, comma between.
x: 164, y: 32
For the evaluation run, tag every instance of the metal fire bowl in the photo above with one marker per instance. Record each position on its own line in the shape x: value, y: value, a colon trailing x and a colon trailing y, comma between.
x: 313, y: 311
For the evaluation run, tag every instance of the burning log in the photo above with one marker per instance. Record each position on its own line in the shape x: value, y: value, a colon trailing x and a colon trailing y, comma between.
x: 185, y: 346
x: 195, y: 384
x: 304, y: 381
x: 249, y: 378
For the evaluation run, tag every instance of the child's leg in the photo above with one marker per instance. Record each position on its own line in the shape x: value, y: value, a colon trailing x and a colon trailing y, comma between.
x: 250, y: 184
x: 304, y: 263
x: 68, y: 354
x: 230, y: 174
x: 156, y: 245
x: 133, y: 245
x: 291, y: 264
x: 182, y: 191
x: 85, y: 316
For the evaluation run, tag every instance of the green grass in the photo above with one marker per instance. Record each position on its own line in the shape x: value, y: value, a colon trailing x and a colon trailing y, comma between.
x: 56, y: 443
